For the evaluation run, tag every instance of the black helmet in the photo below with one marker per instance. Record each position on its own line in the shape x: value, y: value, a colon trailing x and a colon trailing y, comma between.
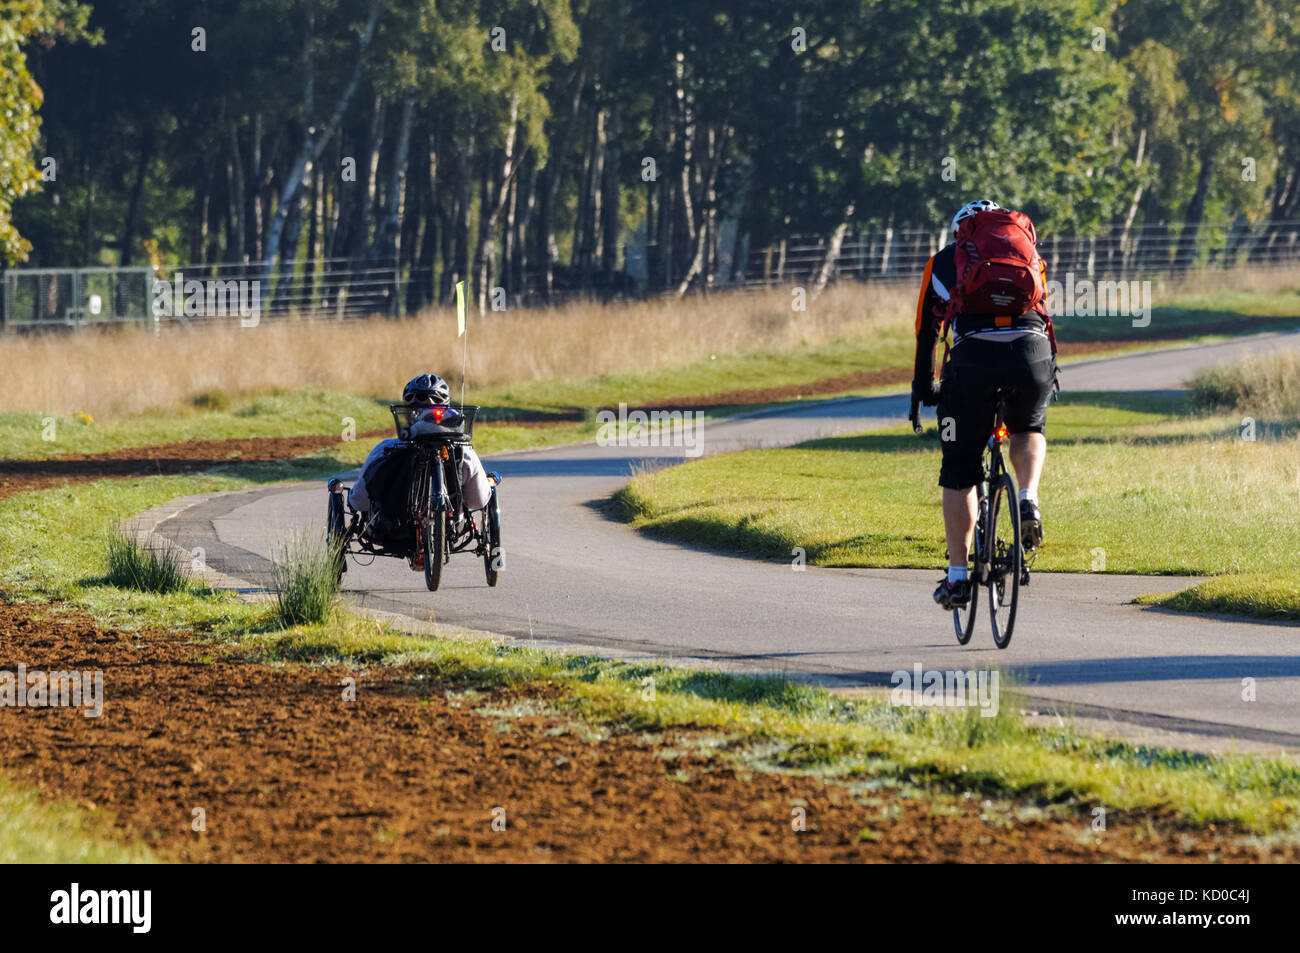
x: 426, y: 389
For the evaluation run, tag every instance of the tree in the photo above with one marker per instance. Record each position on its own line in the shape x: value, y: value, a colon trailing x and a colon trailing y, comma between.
x: 22, y: 22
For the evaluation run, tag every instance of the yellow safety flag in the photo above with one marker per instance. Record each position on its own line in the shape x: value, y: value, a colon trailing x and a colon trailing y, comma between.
x: 460, y: 308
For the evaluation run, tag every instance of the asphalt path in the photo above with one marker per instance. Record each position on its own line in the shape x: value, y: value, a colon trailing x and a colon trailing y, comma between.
x: 576, y: 576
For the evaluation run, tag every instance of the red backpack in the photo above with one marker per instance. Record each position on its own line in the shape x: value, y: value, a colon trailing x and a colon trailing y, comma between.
x: 999, y: 273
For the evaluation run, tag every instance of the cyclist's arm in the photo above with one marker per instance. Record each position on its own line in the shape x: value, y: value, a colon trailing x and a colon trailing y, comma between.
x: 928, y: 317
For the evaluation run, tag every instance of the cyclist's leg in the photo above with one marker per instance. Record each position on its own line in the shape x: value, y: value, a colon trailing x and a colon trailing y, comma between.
x: 1028, y: 452
x: 959, y: 523
x: 1028, y: 374
x: 1026, y: 415
x: 965, y: 415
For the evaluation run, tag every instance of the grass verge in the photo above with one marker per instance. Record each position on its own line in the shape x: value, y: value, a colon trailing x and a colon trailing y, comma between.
x: 1119, y: 466
x: 768, y: 723
x: 848, y: 337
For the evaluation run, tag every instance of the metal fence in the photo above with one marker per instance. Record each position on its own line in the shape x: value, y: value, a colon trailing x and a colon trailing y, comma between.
x: 74, y: 297
x: 1142, y: 251
x: 339, y: 289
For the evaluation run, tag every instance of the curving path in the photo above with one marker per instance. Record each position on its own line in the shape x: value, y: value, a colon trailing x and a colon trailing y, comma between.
x: 578, y: 577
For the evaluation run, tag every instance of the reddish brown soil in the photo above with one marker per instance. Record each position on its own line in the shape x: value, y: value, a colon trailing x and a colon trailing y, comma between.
x: 287, y: 771
x: 192, y: 456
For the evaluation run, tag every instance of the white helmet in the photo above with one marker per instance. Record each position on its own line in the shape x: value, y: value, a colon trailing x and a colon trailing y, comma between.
x: 970, y: 208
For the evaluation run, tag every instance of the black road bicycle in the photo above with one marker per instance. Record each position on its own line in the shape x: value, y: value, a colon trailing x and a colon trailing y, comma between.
x: 998, y: 561
x: 434, y: 523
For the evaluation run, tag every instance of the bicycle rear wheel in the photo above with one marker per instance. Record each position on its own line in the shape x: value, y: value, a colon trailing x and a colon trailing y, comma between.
x: 1004, y: 559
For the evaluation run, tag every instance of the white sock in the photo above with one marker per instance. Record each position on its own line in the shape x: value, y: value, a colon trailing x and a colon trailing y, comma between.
x: 1026, y: 495
x: 957, y: 573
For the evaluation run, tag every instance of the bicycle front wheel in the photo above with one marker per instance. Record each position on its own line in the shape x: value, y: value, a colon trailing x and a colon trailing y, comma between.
x: 1004, y: 559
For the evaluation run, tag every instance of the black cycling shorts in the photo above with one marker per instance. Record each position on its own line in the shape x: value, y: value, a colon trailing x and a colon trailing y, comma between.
x: 968, y: 399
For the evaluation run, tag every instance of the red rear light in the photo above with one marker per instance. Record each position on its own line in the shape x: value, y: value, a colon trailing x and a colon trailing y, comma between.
x: 1001, y: 433
x: 438, y: 414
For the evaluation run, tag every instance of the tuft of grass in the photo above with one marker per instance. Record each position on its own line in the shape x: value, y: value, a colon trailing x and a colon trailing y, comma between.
x: 1267, y: 385
x: 133, y: 565
x: 217, y: 400
x: 304, y: 579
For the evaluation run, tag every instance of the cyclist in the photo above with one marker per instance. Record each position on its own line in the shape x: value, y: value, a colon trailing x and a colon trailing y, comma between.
x: 1015, y: 353
x: 386, y: 463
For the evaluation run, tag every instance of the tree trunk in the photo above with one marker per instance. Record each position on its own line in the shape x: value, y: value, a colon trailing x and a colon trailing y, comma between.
x: 385, y: 247
x: 550, y: 180
x: 313, y: 144
x: 833, y: 247
x: 495, y: 201
x: 1195, y: 212
x: 127, y: 243
x: 609, y: 203
x: 238, y: 200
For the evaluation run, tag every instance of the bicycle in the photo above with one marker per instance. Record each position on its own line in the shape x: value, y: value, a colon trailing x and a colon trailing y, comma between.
x: 997, y: 556
x: 433, y: 521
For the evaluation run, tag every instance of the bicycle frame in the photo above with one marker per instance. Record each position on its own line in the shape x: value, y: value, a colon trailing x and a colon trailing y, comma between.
x: 995, y: 466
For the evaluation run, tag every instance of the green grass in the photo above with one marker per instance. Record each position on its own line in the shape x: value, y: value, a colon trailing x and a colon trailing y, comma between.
x: 35, y: 831
x: 891, y: 348
x: 1259, y: 595
x: 1220, y: 312
x: 774, y: 723
x: 1117, y: 467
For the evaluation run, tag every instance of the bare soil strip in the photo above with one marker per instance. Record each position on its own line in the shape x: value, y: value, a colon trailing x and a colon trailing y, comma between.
x: 416, y: 770
x: 17, y: 476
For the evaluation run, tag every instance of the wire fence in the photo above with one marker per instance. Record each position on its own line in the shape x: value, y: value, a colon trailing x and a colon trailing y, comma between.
x: 1140, y: 251
x: 340, y: 289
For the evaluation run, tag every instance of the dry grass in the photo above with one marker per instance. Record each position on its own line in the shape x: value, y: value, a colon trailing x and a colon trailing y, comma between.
x: 118, y: 374
x: 1266, y: 386
x: 1255, y: 278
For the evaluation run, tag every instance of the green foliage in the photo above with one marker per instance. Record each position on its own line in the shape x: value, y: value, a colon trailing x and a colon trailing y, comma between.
x: 22, y: 21
x: 1086, y: 113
